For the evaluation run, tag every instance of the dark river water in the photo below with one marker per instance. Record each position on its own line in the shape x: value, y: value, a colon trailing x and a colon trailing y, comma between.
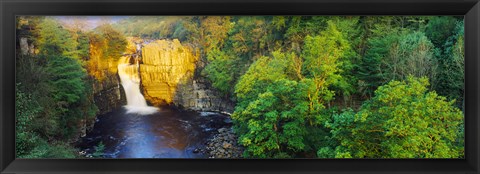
x: 169, y: 133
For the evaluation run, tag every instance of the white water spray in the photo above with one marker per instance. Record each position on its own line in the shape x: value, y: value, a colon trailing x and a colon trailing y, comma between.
x: 131, y: 84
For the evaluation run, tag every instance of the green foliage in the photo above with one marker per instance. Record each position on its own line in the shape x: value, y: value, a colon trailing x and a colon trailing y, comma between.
x: 26, y: 111
x: 270, y: 115
x: 396, y: 56
x: 27, y: 27
x: 219, y: 71
x: 214, y: 31
x: 67, y: 76
x: 54, y: 40
x: 53, y: 94
x: 351, y: 32
x: 68, y: 89
x: 340, y: 126
x: 412, y: 54
x: 263, y: 70
x: 331, y: 50
x: 322, y: 58
x: 231, y: 45
x: 370, y: 71
x: 113, y: 42
x: 403, y: 120
x: 451, y: 73
x: 378, y: 36
x: 83, y: 47
x: 29, y: 144
x: 299, y: 27
x: 279, y: 110
x: 439, y: 29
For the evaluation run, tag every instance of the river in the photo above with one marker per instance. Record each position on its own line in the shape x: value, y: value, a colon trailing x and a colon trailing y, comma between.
x: 168, y: 133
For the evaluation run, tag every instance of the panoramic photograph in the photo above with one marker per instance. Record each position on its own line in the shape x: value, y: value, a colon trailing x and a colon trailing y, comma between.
x: 375, y: 87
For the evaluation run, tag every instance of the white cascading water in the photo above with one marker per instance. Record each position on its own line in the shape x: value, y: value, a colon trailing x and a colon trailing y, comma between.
x: 131, y: 84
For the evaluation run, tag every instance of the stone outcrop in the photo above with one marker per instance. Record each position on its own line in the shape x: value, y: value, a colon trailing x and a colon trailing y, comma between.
x: 108, y: 94
x: 164, y: 64
x: 196, y: 94
x: 167, y: 78
x: 25, y: 47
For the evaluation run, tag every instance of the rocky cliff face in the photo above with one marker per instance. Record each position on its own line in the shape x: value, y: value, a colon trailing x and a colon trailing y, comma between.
x: 164, y: 65
x: 25, y: 47
x: 108, y: 94
x: 167, y: 78
x: 196, y: 94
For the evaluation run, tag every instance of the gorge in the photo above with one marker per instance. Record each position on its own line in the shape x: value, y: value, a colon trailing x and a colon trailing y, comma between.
x: 163, y: 72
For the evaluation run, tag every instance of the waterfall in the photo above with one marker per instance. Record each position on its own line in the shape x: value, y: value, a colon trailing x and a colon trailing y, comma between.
x: 131, y: 84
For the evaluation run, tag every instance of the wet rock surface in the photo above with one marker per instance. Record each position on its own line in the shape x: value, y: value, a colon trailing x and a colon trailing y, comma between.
x: 224, y: 145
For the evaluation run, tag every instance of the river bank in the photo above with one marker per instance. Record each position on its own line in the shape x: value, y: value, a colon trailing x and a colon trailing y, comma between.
x: 168, y: 133
x: 224, y: 145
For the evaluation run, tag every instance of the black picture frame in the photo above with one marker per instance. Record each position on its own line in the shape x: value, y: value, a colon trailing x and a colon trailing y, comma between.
x: 10, y: 8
